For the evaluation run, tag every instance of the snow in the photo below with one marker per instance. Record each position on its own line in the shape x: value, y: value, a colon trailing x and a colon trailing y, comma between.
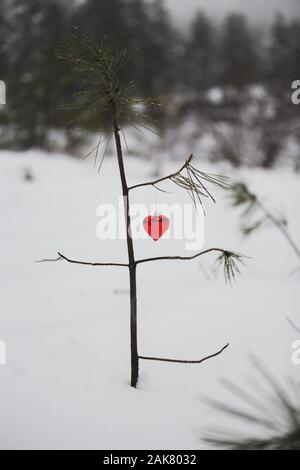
x: 66, y: 329
x: 215, y: 95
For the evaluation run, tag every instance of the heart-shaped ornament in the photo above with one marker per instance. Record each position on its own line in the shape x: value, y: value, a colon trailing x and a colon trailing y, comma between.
x: 156, y: 225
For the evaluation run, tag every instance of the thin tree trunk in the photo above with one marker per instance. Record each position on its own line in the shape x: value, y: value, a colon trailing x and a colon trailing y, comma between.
x: 133, y: 328
x: 132, y: 263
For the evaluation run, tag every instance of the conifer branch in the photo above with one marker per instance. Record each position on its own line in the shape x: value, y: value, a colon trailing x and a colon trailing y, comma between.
x: 276, y: 413
x: 242, y: 197
x: 193, y: 181
x: 164, y: 178
x: 94, y: 66
x: 228, y: 259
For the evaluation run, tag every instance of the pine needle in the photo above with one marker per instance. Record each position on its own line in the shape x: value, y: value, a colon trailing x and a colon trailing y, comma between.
x: 195, y: 183
x: 230, y: 262
x: 94, y: 68
x: 277, y: 414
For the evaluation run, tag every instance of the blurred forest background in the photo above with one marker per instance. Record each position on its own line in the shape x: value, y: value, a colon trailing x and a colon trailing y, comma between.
x: 230, y: 80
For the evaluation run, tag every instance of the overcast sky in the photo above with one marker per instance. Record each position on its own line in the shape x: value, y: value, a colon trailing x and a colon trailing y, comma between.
x: 257, y: 10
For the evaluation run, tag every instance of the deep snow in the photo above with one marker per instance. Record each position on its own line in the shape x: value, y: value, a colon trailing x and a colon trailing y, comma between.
x: 66, y: 381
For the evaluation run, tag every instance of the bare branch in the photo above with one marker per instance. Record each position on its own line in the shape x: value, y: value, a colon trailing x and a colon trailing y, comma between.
x: 183, y: 361
x: 159, y: 180
x: 48, y: 260
x: 191, y: 180
x: 86, y: 263
x: 161, y: 258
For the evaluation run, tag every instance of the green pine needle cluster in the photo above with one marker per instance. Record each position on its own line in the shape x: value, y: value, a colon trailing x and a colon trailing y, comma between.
x: 95, y: 69
x: 195, y: 182
x: 253, y: 208
x: 241, y: 197
x: 231, y: 262
x: 275, y: 416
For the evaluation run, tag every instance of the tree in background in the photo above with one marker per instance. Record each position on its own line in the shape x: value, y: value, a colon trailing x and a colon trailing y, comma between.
x: 150, y: 35
x: 140, y: 40
x: 284, y: 61
x: 36, y: 28
x: 105, y: 18
x: 3, y: 51
x: 200, y: 65
x: 238, y: 59
x: 3, y: 40
x: 281, y: 56
x: 163, y: 39
x: 231, y: 56
x: 295, y: 46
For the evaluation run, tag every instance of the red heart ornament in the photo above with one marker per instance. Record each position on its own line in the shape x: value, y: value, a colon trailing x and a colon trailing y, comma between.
x: 156, y: 225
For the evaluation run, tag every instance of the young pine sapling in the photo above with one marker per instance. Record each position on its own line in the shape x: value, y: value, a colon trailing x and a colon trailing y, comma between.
x: 96, y: 67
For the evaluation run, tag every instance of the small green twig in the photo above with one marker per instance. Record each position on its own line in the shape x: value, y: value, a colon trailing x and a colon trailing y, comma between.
x: 242, y: 197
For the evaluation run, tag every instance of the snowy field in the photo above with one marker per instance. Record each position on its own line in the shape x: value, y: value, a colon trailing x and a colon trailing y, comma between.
x: 66, y: 327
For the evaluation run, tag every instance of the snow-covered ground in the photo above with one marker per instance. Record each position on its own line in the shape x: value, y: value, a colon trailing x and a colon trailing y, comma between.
x: 66, y: 327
